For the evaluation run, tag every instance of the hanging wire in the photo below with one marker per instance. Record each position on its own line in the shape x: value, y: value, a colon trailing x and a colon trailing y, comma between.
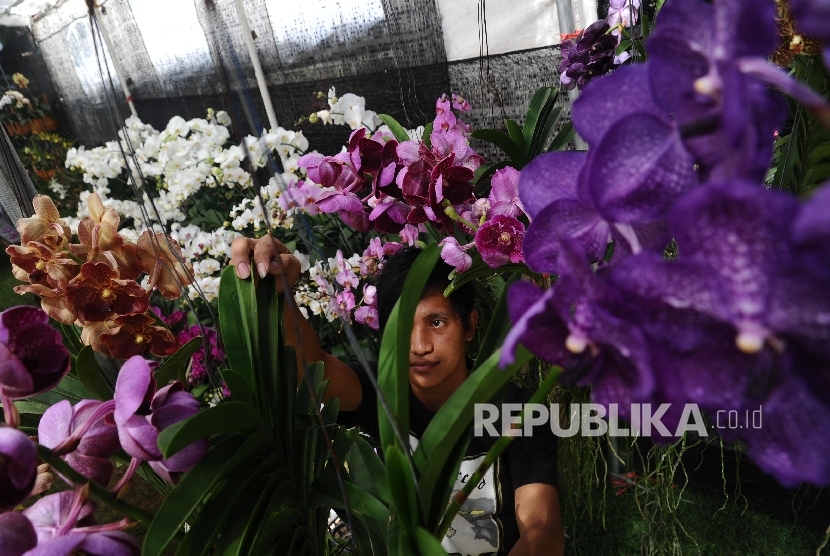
x: 141, y: 190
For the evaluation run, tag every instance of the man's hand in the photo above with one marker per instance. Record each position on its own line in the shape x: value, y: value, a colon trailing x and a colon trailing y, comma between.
x: 270, y: 257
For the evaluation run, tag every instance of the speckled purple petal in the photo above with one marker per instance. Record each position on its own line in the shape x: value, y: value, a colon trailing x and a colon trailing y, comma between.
x: 17, y: 535
x: 110, y: 543
x: 52, y: 511
x: 550, y: 177
x: 94, y: 468
x: 673, y: 63
x: 741, y: 232
x: 792, y: 441
x: 612, y: 97
x: 18, y: 467
x: 565, y: 219
x: 535, y: 325
x: 638, y: 170
x: 55, y: 424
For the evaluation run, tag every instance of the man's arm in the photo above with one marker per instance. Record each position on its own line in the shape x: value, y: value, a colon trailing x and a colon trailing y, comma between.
x: 540, y: 521
x: 272, y: 257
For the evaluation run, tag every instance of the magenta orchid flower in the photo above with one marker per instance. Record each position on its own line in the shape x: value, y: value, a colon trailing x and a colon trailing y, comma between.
x: 499, y: 241
x: 504, y: 194
x: 18, y: 467
x: 87, y: 432
x: 455, y: 254
x: 368, y: 315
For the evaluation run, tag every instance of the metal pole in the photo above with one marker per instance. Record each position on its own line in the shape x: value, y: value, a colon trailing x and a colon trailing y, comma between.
x: 260, y: 76
x: 119, y: 71
x: 565, y: 15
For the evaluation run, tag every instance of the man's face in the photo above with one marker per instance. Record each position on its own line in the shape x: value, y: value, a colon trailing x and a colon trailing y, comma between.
x: 436, y: 353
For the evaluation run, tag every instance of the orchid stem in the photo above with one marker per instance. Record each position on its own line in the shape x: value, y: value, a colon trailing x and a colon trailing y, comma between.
x: 101, y: 493
x: 450, y: 211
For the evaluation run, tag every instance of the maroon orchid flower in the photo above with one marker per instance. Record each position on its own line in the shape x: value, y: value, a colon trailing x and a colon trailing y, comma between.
x: 499, y: 241
x: 135, y: 334
x: 97, y: 294
x: 42, y: 265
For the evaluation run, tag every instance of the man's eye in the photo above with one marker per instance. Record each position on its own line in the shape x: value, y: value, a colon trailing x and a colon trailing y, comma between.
x: 437, y: 322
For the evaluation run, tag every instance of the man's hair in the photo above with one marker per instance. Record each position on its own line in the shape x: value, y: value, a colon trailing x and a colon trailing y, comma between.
x: 393, y: 276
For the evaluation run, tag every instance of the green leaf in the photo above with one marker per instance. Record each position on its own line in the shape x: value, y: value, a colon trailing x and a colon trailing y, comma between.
x: 397, y: 129
x: 176, y: 365
x: 189, y: 493
x: 426, y: 137
x: 550, y: 122
x: 479, y: 269
x: 367, y: 470
x: 565, y: 136
x: 73, y: 338
x: 325, y: 493
x: 92, y: 376
x: 515, y: 132
x: 815, y: 175
x: 427, y: 544
x: 818, y: 154
x: 499, y: 324
x: 236, y: 335
x: 486, y: 170
x: 503, y: 141
x: 228, y: 417
x: 402, y: 488
x: 72, y: 388
x: 239, y: 387
x: 315, y: 373
x: 393, y: 360
x: 537, y: 104
x: 221, y: 503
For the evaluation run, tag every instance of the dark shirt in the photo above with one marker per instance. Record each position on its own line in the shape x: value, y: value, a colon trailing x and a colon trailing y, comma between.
x: 486, y: 523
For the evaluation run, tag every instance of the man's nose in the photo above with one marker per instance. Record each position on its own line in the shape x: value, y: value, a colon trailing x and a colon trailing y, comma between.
x: 420, y: 343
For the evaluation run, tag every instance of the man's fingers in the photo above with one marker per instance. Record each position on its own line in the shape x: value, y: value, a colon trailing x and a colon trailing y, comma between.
x: 240, y: 255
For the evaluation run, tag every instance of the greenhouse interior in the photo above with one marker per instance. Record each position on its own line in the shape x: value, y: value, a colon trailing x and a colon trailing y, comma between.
x: 517, y: 277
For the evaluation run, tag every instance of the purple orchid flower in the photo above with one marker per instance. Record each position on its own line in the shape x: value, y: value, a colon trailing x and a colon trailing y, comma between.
x: 170, y: 405
x: 33, y: 358
x: 504, y: 194
x: 17, y: 535
x: 695, y: 63
x: 303, y: 195
x: 813, y: 17
x: 64, y: 526
x: 18, y: 467
x: 590, y: 55
x: 87, y: 431
x: 499, y: 241
x: 141, y: 414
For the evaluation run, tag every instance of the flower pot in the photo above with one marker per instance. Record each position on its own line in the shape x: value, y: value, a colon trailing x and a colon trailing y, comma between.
x: 46, y: 175
x: 50, y: 123
x: 17, y: 128
x: 38, y: 125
